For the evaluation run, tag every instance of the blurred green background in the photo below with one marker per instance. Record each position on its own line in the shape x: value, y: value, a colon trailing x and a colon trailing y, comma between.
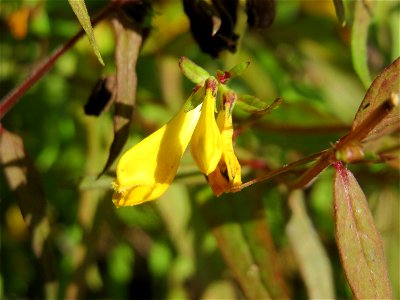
x: 187, y: 244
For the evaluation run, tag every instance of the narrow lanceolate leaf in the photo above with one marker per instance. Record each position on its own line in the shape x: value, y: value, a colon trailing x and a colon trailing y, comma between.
x: 24, y: 181
x: 196, y: 98
x: 79, y: 8
x: 246, y: 245
x: 310, y: 254
x: 255, y: 105
x: 192, y: 71
x: 385, y: 86
x: 359, y: 243
x: 258, y: 236
x: 359, y: 39
x: 128, y: 45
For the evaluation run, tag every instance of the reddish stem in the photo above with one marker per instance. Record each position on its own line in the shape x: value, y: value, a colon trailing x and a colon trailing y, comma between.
x: 322, y: 163
x: 13, y: 96
x: 366, y: 126
x: 283, y: 169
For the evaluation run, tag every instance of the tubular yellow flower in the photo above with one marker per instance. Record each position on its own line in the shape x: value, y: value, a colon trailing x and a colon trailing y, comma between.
x: 146, y: 170
x: 228, y: 172
x: 206, y: 141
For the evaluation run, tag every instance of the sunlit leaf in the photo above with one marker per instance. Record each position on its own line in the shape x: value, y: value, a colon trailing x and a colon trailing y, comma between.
x: 382, y: 89
x: 360, y: 246
x: 359, y: 39
x: 128, y: 45
x: 309, y: 252
x: 80, y: 10
x: 192, y: 71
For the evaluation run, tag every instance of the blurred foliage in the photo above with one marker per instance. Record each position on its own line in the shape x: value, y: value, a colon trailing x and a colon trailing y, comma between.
x: 189, y: 244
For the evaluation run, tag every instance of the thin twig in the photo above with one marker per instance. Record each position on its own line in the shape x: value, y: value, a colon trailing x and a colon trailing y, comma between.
x: 281, y: 170
x: 327, y: 157
x: 13, y: 96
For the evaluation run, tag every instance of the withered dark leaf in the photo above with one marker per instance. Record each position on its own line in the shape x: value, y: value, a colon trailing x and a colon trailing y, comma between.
x: 340, y: 11
x: 203, y: 16
x: 129, y: 40
x: 139, y: 12
x: 260, y: 13
x: 101, y: 96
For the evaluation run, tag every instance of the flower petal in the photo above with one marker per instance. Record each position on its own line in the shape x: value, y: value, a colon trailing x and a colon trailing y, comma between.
x: 228, y: 172
x: 146, y: 170
x: 206, y: 141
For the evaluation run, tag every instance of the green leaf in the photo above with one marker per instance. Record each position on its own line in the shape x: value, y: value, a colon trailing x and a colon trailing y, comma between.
x: 359, y: 243
x: 79, y: 8
x: 127, y: 49
x: 198, y: 93
x: 241, y: 231
x: 192, y: 71
x: 255, y: 105
x: 239, y: 69
x: 359, y: 39
x: 195, y: 98
x: 310, y: 254
x: 382, y: 88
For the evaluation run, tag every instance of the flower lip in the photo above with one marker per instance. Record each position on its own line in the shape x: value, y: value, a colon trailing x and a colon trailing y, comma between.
x: 146, y: 170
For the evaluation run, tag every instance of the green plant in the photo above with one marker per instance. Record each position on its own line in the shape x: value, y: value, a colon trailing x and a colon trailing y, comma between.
x: 299, y: 225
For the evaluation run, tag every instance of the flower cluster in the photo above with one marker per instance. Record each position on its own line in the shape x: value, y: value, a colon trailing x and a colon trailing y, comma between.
x: 146, y: 170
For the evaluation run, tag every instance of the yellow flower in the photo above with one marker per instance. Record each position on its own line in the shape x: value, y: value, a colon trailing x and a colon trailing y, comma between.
x: 146, y: 171
x: 228, y: 172
x: 206, y: 141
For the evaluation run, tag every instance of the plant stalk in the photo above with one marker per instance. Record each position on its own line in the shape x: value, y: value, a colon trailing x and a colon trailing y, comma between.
x: 15, y: 95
